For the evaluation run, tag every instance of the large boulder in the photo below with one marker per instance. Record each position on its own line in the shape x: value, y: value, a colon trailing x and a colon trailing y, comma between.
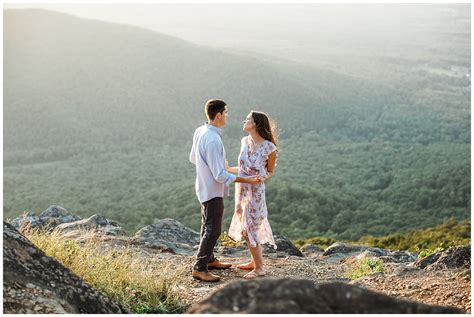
x: 36, y: 283
x: 96, y: 223
x: 168, y: 235
x: 285, y: 296
x: 48, y: 219
x: 284, y: 245
x: 452, y: 258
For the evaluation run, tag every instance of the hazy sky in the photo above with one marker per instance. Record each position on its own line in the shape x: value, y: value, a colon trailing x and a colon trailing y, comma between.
x: 229, y: 25
x: 310, y: 33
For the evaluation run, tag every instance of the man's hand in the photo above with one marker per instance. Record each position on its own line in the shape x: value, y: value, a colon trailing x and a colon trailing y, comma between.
x: 254, y: 180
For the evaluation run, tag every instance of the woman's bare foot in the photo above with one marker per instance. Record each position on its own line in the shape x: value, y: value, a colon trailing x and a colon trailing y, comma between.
x: 254, y: 274
x: 246, y: 266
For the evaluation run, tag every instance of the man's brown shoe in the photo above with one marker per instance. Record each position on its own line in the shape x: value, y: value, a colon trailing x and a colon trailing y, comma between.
x: 206, y: 276
x: 218, y: 265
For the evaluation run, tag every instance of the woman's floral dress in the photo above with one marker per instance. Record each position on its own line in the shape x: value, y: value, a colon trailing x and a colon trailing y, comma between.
x: 250, y: 216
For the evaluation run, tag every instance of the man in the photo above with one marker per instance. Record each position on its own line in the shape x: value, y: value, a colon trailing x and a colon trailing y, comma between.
x: 212, y: 181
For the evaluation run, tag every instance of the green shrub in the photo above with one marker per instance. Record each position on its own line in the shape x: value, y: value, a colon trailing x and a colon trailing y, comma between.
x: 427, y: 252
x: 364, y: 267
x: 447, y: 234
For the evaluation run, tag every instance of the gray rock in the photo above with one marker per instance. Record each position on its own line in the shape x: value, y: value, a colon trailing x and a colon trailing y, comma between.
x: 165, y: 246
x: 56, y: 215
x: 452, y: 258
x: 284, y: 245
x: 168, y: 235
x: 48, y: 219
x: 398, y: 257
x: 96, y: 223
x: 237, y: 250
x: 36, y: 283
x: 311, y: 249
x: 430, y: 259
x: 343, y: 248
x: 284, y: 296
x: 26, y: 219
x: 402, y: 268
x: 388, y: 256
x: 169, y: 230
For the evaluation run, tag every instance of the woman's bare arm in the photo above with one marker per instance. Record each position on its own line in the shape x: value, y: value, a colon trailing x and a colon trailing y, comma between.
x: 229, y: 169
x: 233, y: 169
x: 271, y: 165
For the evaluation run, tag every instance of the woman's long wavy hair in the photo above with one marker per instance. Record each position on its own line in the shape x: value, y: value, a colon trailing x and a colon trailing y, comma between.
x: 266, y: 127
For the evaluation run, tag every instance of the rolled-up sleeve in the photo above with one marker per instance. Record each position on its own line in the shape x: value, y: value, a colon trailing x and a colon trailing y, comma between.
x: 192, y: 154
x: 216, y: 163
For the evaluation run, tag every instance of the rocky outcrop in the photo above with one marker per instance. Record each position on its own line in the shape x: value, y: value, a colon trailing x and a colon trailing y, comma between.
x: 48, y: 219
x: 36, y: 283
x: 267, y: 296
x: 284, y: 245
x: 96, y: 223
x: 452, y: 258
x: 168, y: 235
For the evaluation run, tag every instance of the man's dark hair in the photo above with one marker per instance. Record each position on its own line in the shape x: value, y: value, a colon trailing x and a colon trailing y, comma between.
x: 213, y: 107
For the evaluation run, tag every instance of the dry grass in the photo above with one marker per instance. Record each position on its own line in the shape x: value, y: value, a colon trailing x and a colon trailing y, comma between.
x: 142, y: 284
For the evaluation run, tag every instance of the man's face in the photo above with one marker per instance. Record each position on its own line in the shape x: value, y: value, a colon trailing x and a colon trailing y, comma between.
x: 221, y: 118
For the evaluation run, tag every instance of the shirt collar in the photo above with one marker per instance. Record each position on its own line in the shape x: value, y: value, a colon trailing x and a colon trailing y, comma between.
x: 213, y: 128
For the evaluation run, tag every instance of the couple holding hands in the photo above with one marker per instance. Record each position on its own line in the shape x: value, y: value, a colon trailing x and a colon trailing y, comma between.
x: 257, y: 160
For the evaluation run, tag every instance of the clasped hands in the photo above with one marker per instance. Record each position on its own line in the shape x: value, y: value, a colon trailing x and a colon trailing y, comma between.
x: 253, y: 180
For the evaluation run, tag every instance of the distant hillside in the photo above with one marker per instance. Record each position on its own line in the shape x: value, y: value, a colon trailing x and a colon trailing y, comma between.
x: 100, y: 116
x: 83, y: 81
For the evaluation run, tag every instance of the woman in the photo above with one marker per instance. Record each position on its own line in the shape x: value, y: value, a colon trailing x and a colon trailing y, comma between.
x: 258, y: 155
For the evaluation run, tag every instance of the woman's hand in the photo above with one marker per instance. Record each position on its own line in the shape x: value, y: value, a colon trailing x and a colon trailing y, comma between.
x: 265, y: 178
